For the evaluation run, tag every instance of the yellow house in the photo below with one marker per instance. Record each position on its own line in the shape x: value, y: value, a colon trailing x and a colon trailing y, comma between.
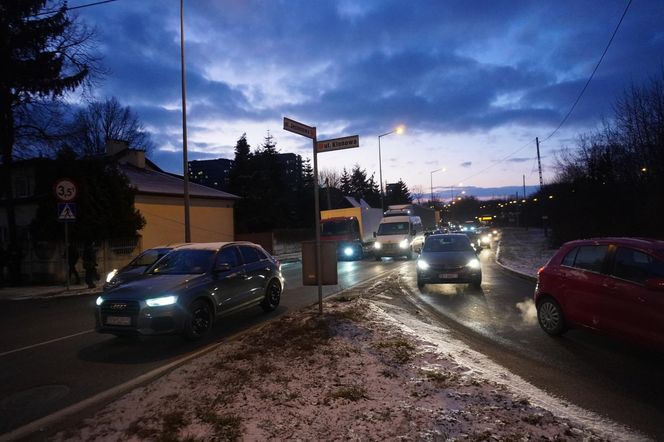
x: 160, y: 199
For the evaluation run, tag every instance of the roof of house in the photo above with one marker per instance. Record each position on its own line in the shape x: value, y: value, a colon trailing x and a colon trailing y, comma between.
x: 155, y: 182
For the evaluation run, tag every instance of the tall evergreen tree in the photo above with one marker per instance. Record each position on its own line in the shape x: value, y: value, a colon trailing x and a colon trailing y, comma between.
x: 42, y: 57
x: 345, y: 183
x: 398, y: 194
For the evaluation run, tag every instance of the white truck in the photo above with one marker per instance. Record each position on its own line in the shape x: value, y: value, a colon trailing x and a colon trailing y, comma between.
x: 399, y: 234
x: 430, y: 218
x: 352, y: 228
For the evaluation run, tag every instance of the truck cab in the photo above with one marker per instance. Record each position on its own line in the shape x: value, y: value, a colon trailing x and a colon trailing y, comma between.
x: 345, y: 230
x: 399, y: 235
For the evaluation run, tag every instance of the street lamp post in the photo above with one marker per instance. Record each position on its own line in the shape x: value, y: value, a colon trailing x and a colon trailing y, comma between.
x: 399, y: 130
x: 431, y: 176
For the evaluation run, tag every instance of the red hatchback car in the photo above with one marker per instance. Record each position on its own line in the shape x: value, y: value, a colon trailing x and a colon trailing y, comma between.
x: 613, y: 285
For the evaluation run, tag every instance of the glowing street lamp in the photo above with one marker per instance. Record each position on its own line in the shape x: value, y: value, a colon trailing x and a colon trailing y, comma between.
x: 398, y: 130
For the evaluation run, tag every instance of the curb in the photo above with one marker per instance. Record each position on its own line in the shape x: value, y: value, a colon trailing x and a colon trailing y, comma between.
x: 511, y: 270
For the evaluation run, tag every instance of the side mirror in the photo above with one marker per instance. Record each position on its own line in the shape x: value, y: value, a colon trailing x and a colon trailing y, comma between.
x: 656, y: 284
x: 222, y: 267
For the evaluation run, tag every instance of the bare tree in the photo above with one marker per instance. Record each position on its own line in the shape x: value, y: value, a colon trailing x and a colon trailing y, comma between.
x: 329, y: 177
x: 107, y: 120
x: 417, y: 193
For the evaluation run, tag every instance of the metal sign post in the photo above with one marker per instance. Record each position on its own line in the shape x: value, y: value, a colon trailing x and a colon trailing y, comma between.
x: 310, y: 132
x: 65, y: 191
x: 319, y: 146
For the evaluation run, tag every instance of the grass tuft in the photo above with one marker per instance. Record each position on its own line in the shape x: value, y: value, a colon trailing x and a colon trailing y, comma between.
x: 352, y: 392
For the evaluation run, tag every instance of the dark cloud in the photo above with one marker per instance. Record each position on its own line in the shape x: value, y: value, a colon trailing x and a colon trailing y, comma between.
x: 439, y: 67
x: 519, y: 159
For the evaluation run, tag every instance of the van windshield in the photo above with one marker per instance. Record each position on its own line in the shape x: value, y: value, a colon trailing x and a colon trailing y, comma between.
x: 393, y: 228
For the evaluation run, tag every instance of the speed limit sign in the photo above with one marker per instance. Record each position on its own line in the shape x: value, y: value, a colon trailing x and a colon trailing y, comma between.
x: 65, y: 190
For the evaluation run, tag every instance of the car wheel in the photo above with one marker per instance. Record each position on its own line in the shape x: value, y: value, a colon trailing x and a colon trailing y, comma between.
x: 272, y: 296
x: 477, y: 282
x: 379, y: 258
x: 420, y: 284
x: 199, y: 321
x: 360, y: 253
x: 550, y: 317
x: 409, y: 256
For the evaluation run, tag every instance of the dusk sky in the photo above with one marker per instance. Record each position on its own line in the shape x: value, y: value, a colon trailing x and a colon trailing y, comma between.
x: 474, y: 82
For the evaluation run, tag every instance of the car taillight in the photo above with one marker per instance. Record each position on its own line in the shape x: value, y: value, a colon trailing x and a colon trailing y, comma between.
x: 541, y: 269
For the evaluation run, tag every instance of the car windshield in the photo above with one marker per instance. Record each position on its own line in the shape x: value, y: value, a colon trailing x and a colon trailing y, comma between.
x: 447, y: 243
x: 148, y: 257
x: 333, y: 228
x: 393, y: 228
x: 184, y: 262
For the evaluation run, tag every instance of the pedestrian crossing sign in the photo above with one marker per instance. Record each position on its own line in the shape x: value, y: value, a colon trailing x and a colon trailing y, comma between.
x: 67, y: 212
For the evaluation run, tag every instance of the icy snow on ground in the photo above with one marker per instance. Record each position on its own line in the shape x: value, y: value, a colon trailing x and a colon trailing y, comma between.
x: 523, y: 250
x: 365, y: 370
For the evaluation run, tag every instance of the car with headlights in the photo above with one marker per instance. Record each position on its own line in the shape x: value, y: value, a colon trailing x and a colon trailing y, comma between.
x: 448, y: 258
x: 137, y: 266
x: 483, y: 237
x: 610, y: 285
x: 189, y: 288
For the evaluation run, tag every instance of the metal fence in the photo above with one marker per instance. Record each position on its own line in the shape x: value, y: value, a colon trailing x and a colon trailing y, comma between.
x: 45, y: 261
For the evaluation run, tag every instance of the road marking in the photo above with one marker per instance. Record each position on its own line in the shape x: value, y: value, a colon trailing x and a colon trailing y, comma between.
x: 45, y: 343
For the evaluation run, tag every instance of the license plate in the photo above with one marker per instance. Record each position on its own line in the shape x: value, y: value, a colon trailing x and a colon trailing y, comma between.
x: 448, y: 276
x: 118, y: 320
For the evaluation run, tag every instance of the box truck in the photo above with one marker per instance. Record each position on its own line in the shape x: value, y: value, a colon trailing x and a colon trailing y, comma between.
x: 352, y: 228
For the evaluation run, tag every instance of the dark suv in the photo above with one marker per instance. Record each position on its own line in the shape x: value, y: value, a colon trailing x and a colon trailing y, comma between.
x: 613, y: 285
x: 187, y: 289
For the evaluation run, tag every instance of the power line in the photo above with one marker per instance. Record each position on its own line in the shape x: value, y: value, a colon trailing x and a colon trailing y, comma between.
x: 606, y: 49
x: 578, y: 98
x: 498, y: 162
x: 87, y: 5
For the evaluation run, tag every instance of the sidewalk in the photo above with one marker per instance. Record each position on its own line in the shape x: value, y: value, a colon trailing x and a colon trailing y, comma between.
x: 59, y: 290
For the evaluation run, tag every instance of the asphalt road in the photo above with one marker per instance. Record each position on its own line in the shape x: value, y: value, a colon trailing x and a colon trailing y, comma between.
x: 51, y: 358
x: 614, y: 379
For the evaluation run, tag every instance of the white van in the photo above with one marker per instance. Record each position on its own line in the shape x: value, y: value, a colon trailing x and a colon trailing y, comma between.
x: 399, y: 235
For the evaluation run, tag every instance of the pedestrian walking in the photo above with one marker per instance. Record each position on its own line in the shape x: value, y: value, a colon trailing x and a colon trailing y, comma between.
x: 90, y: 264
x: 72, y: 259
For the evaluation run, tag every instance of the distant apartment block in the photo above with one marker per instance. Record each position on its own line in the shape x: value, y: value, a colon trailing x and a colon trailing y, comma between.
x: 216, y: 173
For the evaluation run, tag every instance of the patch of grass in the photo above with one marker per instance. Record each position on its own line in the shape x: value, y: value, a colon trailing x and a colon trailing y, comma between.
x: 477, y: 437
x: 265, y: 368
x: 244, y: 355
x: 345, y: 298
x: 533, y: 419
x: 352, y: 392
x: 441, y: 378
x: 226, y: 427
x: 401, y: 350
x: 295, y: 336
x: 171, y: 423
x: 524, y: 402
x: 141, y: 428
x: 354, y: 314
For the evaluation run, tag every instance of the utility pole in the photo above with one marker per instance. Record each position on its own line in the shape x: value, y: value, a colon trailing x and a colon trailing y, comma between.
x: 539, y: 163
x: 185, y: 161
x: 524, y: 187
